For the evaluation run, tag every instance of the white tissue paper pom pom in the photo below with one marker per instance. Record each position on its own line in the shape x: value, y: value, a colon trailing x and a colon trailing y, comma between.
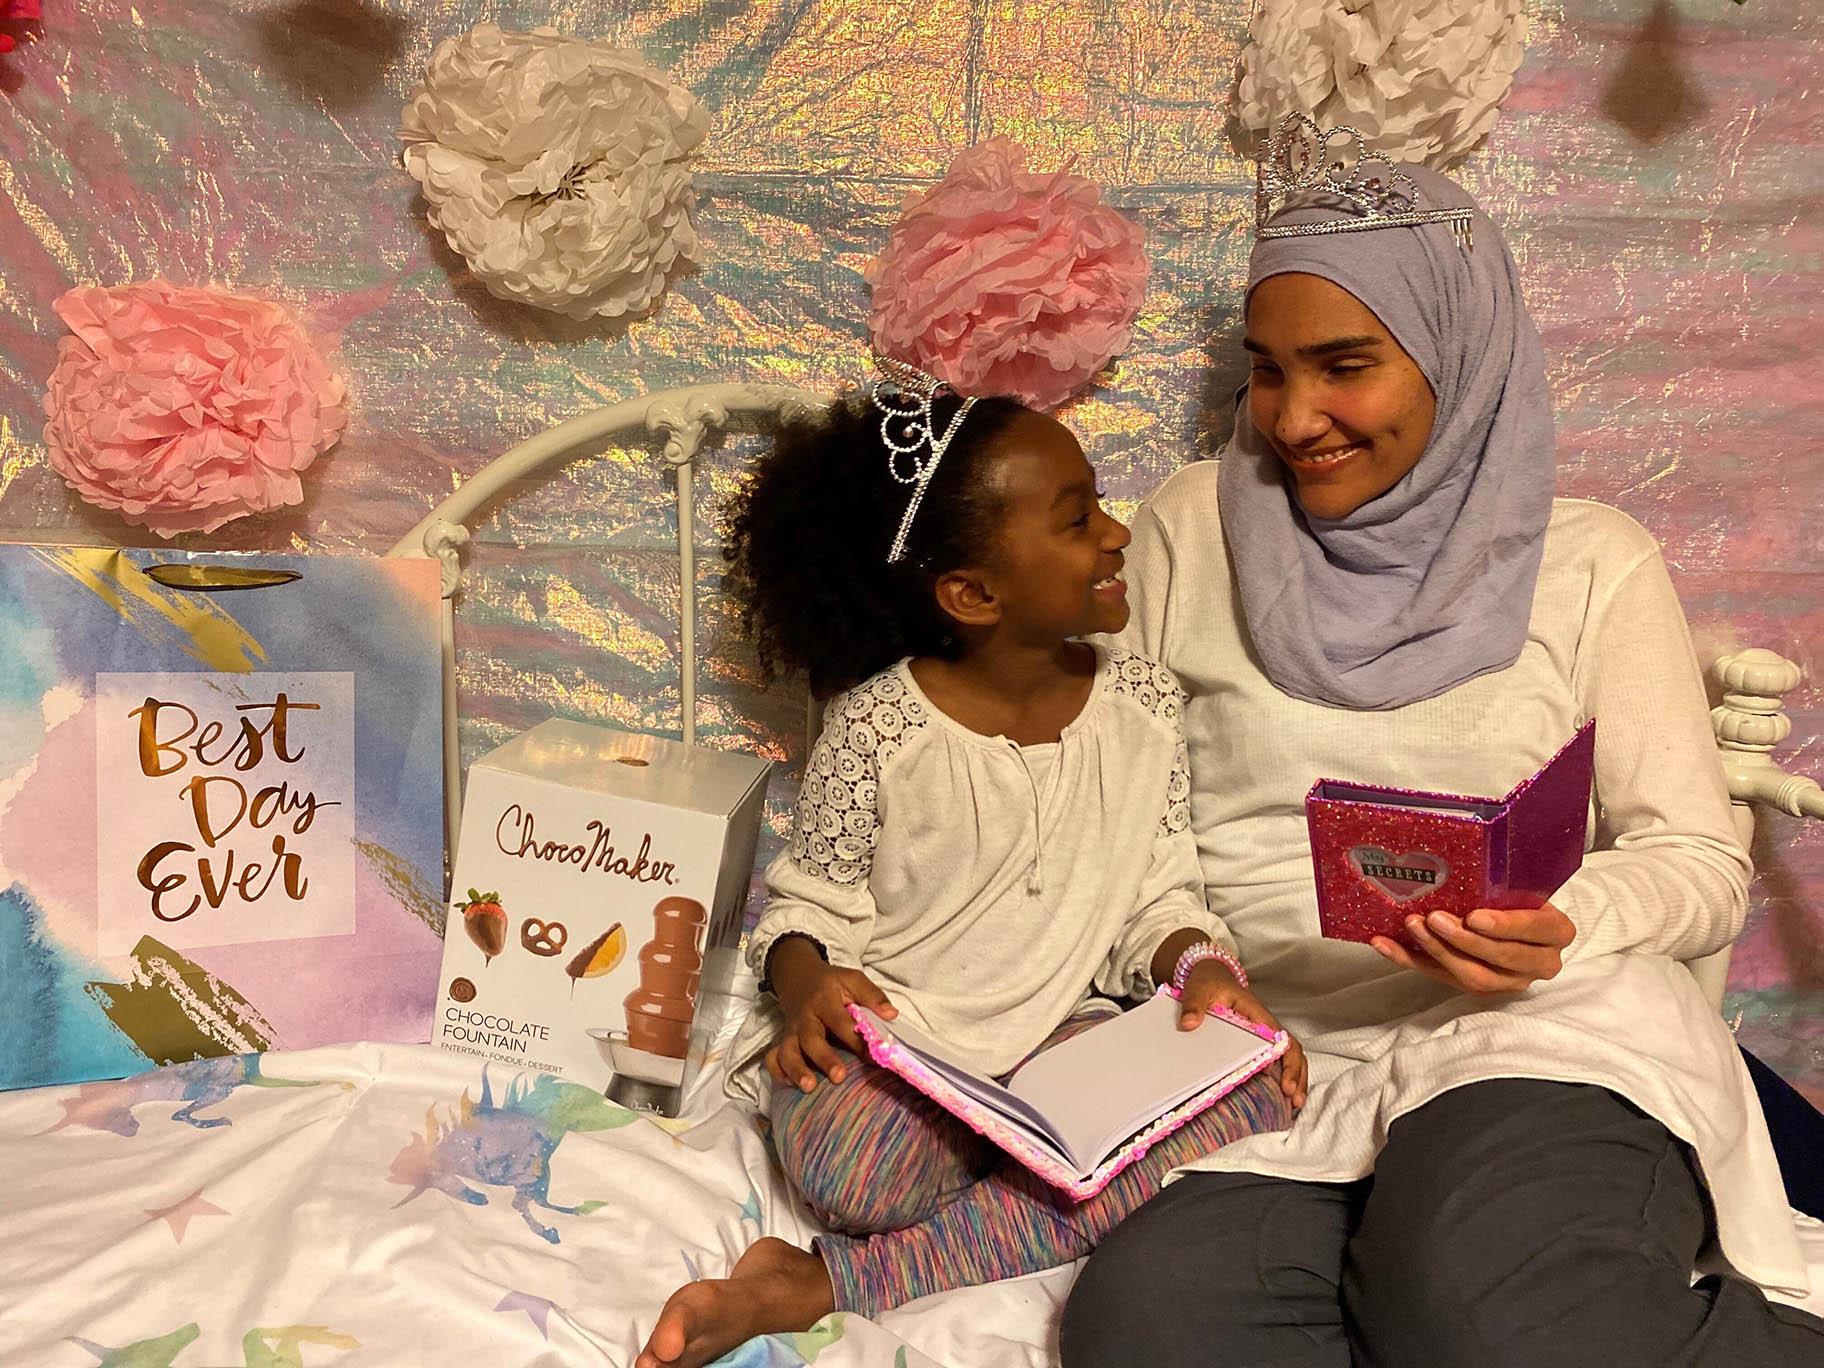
x: 557, y: 167
x: 1422, y: 80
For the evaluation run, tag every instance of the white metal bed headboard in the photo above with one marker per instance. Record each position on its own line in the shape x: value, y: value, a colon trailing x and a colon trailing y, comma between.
x: 686, y: 417
x: 1748, y: 724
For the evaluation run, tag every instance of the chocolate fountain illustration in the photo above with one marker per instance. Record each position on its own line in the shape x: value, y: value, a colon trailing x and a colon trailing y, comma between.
x: 648, y: 1057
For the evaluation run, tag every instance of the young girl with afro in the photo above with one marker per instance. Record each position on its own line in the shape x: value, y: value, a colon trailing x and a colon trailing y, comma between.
x: 992, y: 842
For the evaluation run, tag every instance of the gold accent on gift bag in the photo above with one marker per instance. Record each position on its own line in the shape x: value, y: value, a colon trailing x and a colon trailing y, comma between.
x: 209, y: 579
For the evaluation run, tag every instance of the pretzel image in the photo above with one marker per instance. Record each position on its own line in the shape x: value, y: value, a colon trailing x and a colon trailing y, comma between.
x: 543, y: 938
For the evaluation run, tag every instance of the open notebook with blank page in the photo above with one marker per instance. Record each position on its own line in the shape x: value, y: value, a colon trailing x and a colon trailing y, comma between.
x: 1080, y: 1112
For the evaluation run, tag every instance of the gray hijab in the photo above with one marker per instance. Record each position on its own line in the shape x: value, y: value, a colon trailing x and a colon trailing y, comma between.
x: 1431, y: 583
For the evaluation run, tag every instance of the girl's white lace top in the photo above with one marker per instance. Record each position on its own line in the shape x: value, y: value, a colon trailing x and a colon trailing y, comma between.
x: 986, y: 887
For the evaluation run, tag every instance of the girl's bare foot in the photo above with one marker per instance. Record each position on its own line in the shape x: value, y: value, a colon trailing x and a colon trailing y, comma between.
x: 774, y: 1287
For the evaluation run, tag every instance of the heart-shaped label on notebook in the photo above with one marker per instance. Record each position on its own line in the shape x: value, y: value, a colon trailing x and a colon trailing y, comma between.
x: 1403, y: 877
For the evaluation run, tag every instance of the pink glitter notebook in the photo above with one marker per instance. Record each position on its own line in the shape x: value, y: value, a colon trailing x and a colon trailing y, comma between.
x: 1080, y: 1112
x: 1384, y: 854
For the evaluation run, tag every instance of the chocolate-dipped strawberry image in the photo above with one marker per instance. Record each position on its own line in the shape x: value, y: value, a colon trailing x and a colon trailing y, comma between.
x: 486, y: 922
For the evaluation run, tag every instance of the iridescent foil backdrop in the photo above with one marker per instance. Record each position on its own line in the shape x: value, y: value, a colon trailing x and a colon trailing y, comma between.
x: 1659, y: 168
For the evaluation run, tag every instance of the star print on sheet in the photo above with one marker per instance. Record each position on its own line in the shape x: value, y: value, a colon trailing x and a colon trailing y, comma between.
x: 537, y: 1309
x: 180, y: 1215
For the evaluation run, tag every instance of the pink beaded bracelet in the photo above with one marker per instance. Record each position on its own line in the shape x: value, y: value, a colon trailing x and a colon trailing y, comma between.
x: 1204, y: 950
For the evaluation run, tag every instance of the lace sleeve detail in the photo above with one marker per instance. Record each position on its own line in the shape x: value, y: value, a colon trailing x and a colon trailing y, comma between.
x: 1148, y: 683
x: 838, y: 816
x: 1177, y: 814
x: 1156, y: 689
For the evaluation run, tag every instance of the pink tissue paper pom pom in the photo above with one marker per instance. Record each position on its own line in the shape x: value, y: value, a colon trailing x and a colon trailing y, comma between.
x: 1007, y: 282
x: 184, y: 408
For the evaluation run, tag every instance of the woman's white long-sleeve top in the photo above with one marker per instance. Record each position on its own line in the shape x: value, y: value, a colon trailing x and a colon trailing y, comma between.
x: 1664, y: 880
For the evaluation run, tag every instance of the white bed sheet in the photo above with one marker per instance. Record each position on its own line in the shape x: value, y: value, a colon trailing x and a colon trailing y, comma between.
x: 388, y: 1205
x: 391, y: 1205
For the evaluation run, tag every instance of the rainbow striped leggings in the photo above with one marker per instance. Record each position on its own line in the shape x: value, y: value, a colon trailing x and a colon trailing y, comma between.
x: 922, y: 1204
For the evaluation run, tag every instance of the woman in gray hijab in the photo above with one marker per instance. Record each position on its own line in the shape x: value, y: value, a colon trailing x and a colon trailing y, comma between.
x: 1528, y: 1138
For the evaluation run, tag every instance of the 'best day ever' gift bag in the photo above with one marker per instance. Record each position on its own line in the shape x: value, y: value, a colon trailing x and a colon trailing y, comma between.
x: 221, y: 807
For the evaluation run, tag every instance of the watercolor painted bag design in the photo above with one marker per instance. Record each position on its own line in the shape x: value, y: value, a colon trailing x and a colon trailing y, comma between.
x: 220, y: 806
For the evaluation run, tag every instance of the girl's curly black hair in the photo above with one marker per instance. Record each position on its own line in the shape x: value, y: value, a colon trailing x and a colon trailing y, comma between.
x: 809, y: 533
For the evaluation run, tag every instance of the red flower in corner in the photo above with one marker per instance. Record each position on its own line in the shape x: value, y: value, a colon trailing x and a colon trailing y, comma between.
x: 14, y: 12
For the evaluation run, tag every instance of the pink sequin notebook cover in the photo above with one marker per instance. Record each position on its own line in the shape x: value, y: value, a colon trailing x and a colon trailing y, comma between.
x: 985, y: 1121
x: 1384, y: 854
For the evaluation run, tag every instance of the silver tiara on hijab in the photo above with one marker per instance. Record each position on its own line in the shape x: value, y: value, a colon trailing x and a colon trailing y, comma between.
x: 1334, y: 169
x: 903, y: 396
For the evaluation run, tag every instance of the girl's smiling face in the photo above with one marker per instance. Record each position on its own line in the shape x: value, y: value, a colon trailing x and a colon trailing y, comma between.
x: 1056, y: 568
x: 1343, y: 406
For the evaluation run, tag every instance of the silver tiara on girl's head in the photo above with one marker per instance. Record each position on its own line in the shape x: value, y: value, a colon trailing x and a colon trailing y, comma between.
x: 903, y: 396
x: 1336, y: 169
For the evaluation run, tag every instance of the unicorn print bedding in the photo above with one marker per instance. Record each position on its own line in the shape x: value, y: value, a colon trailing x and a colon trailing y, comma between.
x: 396, y: 1205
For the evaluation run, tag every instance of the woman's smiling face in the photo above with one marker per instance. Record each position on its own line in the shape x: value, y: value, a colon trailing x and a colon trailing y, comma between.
x: 1343, y: 406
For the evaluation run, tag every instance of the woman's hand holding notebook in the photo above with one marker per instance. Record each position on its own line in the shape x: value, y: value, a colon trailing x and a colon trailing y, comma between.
x: 1381, y: 855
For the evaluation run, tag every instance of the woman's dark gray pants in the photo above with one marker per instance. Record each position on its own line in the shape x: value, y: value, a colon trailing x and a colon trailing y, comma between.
x: 1509, y: 1224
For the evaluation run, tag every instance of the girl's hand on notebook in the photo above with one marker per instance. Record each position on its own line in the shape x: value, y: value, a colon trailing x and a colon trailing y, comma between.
x: 1489, y: 951
x: 815, y: 998
x: 1212, y: 985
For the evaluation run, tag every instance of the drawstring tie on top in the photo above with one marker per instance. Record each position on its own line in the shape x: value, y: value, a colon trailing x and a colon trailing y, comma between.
x: 1035, y: 875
